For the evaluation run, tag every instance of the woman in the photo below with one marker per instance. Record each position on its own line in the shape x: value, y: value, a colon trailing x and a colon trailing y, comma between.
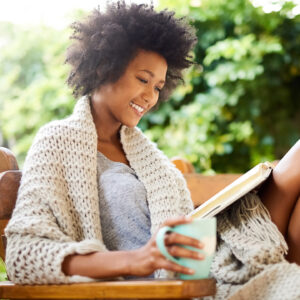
x: 94, y: 189
x: 123, y: 61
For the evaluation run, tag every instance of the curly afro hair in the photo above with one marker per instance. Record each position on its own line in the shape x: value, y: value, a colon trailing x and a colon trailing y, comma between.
x: 105, y: 42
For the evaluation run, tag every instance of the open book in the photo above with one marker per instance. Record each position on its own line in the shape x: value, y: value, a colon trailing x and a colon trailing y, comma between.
x: 234, y: 191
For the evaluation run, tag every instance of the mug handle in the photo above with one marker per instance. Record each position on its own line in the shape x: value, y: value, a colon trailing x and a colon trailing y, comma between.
x: 160, y: 242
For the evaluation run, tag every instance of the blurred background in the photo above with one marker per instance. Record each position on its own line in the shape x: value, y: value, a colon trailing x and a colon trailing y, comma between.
x: 240, y: 104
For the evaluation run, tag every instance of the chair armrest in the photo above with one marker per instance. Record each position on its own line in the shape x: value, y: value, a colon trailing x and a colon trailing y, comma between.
x: 9, y: 185
x: 132, y: 289
x: 183, y: 165
x: 7, y: 160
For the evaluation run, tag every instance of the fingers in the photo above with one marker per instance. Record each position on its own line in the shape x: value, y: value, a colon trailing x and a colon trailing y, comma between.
x: 170, y: 266
x: 178, y: 251
x: 173, y: 241
x: 163, y: 263
x: 177, y: 221
x: 176, y: 238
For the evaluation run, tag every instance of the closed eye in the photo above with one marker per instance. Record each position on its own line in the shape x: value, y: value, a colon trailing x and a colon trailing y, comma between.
x: 146, y: 81
x: 142, y: 80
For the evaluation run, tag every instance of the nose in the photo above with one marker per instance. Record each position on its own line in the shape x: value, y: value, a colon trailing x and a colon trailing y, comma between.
x: 149, y: 95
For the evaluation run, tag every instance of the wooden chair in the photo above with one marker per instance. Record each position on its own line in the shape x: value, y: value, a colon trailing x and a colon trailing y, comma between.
x: 201, y: 187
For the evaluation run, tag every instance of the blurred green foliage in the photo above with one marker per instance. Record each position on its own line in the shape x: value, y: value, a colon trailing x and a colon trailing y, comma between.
x: 32, y: 86
x: 240, y: 104
x: 3, y: 275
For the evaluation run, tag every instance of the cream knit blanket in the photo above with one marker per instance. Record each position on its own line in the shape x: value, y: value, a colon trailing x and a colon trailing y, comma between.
x: 57, y: 214
x: 249, y: 263
x: 57, y: 209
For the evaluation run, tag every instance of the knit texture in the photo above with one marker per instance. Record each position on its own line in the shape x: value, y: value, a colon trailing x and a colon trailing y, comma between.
x: 57, y: 214
x: 57, y: 209
x: 249, y: 262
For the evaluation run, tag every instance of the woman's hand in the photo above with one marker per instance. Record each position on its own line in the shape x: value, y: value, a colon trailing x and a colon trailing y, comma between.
x: 148, y: 258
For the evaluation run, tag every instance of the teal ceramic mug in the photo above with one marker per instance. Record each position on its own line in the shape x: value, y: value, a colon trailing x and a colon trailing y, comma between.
x: 201, y: 229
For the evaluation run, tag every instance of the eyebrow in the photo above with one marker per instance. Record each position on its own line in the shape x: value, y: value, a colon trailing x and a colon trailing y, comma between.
x: 151, y: 74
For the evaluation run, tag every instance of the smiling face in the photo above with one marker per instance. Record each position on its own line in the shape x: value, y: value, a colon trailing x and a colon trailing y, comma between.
x: 134, y: 93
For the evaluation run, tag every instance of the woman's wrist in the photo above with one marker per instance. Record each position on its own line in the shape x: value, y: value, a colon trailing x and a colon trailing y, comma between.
x: 133, y: 262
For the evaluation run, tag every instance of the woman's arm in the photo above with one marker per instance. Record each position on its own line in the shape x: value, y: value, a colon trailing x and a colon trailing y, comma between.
x: 141, y: 262
x: 98, y: 264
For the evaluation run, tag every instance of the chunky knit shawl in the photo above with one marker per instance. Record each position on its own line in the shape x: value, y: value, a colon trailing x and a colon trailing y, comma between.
x: 57, y: 209
x: 57, y: 214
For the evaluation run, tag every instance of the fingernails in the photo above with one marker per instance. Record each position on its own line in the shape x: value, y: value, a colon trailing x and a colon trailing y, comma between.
x: 188, y: 218
x: 191, y: 271
x: 201, y: 256
x: 201, y: 245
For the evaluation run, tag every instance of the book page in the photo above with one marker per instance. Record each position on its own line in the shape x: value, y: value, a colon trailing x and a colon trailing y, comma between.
x: 233, y: 191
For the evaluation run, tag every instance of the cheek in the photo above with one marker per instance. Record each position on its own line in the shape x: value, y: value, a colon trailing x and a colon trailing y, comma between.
x: 155, y: 100
x: 154, y: 106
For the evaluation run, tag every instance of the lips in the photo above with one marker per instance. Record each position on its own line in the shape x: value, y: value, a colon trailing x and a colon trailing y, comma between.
x: 139, y: 109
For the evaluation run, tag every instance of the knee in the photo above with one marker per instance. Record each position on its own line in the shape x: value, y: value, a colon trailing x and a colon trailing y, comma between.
x: 296, y: 149
x: 286, y: 174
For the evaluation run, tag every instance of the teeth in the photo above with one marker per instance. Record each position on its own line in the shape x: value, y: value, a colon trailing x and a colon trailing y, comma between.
x: 137, y: 107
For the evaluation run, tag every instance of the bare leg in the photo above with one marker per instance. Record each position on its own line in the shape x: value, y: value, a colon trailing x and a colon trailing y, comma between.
x: 293, y: 235
x: 280, y: 195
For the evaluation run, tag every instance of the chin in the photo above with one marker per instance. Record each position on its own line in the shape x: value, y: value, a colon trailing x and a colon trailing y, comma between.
x: 130, y: 124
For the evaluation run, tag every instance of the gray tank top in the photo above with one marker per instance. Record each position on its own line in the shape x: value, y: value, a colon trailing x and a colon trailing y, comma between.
x: 124, y: 212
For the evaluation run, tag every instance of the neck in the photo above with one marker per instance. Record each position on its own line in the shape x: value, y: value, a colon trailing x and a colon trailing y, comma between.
x: 107, y: 131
